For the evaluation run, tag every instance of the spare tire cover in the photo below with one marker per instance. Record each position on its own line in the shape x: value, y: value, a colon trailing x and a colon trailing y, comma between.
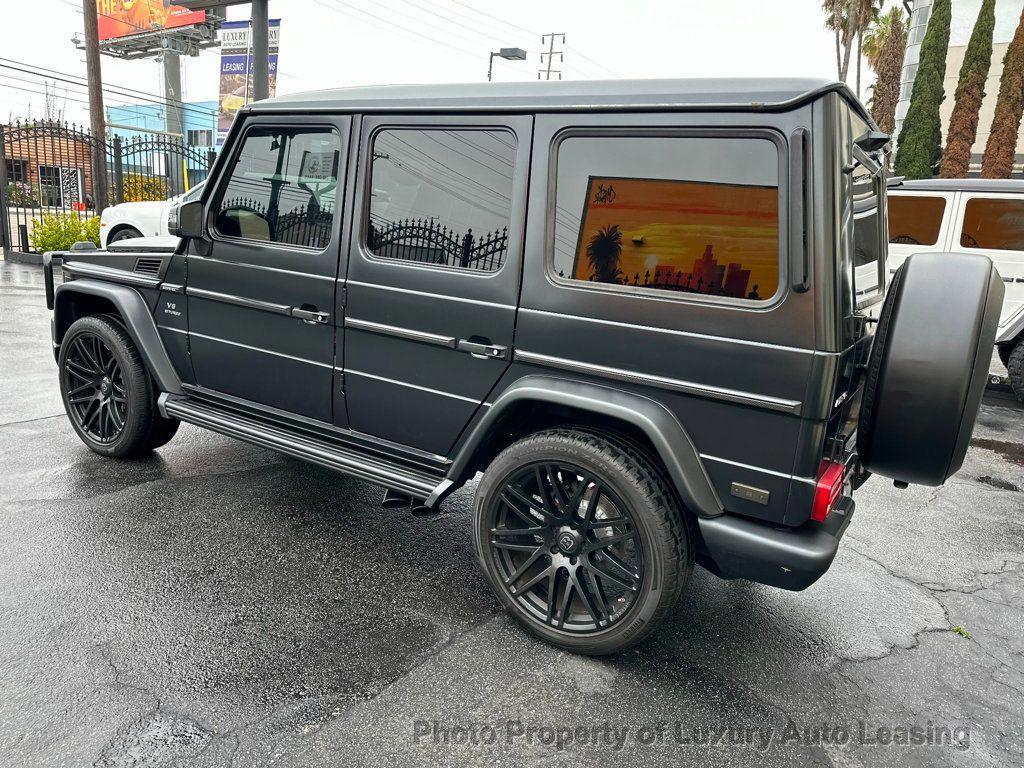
x: 928, y: 366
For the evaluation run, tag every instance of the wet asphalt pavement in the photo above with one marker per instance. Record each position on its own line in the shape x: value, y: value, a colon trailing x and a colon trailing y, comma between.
x: 217, y: 604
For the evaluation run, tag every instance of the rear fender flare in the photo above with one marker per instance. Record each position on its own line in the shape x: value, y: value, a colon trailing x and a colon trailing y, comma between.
x: 138, y: 321
x: 667, y: 435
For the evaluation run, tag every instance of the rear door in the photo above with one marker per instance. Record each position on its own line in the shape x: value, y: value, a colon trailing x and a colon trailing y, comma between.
x: 434, y: 271
x: 261, y: 290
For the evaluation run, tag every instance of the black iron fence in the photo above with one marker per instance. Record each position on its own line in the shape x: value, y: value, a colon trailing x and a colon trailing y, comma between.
x: 60, y: 168
x: 429, y: 241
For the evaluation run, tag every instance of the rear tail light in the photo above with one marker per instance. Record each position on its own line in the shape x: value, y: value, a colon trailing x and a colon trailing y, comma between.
x: 829, y: 488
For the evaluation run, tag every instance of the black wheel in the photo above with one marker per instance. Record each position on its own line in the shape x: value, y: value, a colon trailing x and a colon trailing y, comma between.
x: 107, y: 391
x: 126, y: 233
x: 1005, y: 350
x: 581, y: 539
x: 1015, y: 368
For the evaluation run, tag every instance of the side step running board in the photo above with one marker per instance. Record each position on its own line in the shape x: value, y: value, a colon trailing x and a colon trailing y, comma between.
x: 418, y: 485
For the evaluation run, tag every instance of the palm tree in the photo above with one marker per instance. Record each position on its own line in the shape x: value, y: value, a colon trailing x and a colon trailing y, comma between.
x: 879, y: 32
x: 890, y: 33
x: 604, y: 249
x: 849, y: 19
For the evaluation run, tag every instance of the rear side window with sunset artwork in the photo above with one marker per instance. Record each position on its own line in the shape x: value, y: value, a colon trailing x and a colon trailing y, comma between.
x: 688, y: 215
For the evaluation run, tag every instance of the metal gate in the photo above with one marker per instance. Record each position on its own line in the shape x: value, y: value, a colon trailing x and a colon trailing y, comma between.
x: 52, y: 168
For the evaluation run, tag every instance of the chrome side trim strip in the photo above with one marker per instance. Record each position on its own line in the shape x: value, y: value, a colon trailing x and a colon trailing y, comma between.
x: 752, y: 468
x: 169, y: 328
x: 672, y: 331
x: 446, y: 297
x: 688, y: 387
x: 260, y: 349
x: 238, y: 301
x: 110, y: 273
x: 402, y: 333
x: 348, y: 371
x: 279, y: 270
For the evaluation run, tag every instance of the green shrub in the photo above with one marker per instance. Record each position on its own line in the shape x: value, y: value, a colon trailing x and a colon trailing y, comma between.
x: 59, y: 231
x: 137, y: 187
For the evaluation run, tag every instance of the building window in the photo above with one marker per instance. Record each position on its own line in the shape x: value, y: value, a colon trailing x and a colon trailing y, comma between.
x: 282, y: 188
x: 199, y: 138
x: 17, y: 170
x: 915, y: 219
x: 682, y: 215
x: 442, y: 197
x: 993, y: 223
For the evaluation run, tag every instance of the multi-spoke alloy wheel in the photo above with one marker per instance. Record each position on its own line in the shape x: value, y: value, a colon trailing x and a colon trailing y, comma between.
x: 94, y: 383
x: 581, y: 539
x: 566, y: 547
x: 107, y: 390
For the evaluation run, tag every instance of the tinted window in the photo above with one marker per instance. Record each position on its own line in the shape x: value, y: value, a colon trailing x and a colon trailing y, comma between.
x: 441, y: 197
x: 993, y: 223
x: 915, y: 220
x: 686, y: 215
x: 282, y: 188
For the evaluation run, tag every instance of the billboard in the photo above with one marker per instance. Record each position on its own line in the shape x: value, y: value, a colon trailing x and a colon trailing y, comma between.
x: 689, y: 236
x: 119, y: 18
x: 236, y: 70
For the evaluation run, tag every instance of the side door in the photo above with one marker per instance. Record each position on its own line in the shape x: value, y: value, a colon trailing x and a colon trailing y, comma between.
x: 992, y: 223
x: 433, y: 272
x: 261, y: 287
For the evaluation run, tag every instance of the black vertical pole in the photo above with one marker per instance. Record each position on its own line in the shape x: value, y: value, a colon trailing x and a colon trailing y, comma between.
x: 5, y: 220
x: 260, y: 50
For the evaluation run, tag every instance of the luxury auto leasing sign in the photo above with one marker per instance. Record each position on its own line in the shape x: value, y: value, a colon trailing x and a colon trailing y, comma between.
x: 236, y: 70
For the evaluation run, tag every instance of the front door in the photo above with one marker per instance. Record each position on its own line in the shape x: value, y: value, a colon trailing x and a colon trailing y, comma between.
x: 434, y: 269
x: 261, y: 288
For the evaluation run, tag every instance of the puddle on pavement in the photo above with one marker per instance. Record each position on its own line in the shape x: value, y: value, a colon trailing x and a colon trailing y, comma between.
x: 1013, y: 452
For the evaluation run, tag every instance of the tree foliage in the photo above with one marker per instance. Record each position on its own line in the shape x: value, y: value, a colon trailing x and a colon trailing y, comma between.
x: 890, y: 35
x: 59, y: 231
x: 919, y: 148
x: 604, y: 250
x: 997, y: 162
x: 970, y: 90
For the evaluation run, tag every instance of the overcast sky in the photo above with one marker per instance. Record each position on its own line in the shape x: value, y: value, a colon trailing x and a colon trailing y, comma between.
x: 328, y: 43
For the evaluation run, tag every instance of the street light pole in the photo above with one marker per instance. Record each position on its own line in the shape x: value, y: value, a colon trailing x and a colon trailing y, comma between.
x: 96, y: 117
x: 511, y: 54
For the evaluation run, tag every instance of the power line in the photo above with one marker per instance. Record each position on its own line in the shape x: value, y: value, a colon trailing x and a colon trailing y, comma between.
x: 112, y: 89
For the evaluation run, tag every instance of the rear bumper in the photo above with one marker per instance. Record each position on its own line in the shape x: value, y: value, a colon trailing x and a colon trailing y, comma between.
x: 791, y: 558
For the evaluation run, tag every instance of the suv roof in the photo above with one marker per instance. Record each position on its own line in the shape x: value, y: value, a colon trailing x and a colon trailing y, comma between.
x: 956, y: 185
x: 719, y: 94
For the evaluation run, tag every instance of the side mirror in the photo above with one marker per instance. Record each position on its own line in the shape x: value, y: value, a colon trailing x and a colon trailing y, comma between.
x: 186, y: 219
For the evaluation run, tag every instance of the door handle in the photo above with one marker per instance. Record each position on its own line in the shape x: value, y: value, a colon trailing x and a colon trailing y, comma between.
x: 482, y: 349
x: 309, y: 315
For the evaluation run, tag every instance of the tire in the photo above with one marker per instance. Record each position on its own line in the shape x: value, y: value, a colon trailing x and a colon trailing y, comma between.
x: 107, y: 392
x: 1004, y: 351
x: 125, y: 233
x: 1015, y: 368
x: 928, y: 366
x: 622, y: 562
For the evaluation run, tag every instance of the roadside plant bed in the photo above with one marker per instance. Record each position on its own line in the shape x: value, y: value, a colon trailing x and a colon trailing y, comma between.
x: 59, y: 231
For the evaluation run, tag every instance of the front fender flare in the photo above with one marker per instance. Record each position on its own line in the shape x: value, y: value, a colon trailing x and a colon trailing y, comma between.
x: 670, y: 440
x: 138, y: 321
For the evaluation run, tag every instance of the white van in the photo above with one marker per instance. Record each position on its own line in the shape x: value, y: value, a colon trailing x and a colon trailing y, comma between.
x: 967, y: 215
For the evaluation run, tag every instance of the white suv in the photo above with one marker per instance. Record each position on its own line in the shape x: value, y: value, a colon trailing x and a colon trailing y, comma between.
x: 985, y: 215
x: 145, y: 218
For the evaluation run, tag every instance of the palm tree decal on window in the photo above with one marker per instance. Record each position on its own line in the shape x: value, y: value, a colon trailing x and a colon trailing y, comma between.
x: 604, y: 250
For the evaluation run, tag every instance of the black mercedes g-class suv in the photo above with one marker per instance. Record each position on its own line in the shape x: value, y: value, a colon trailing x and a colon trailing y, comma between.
x: 640, y: 309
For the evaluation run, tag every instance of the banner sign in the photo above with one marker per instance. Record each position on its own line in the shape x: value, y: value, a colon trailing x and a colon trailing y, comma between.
x: 236, y: 70
x: 120, y: 18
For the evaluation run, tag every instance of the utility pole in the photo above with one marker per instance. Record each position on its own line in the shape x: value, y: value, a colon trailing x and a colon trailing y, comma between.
x: 97, y: 122
x: 551, y: 53
x: 260, y: 45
